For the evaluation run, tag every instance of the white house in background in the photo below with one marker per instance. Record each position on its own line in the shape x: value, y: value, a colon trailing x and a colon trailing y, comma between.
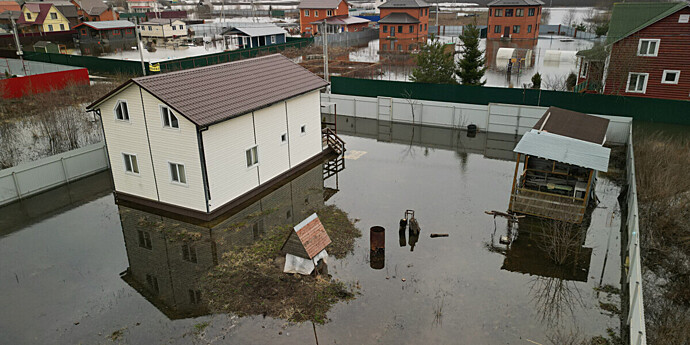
x: 142, y: 6
x: 163, y: 28
x: 197, y: 142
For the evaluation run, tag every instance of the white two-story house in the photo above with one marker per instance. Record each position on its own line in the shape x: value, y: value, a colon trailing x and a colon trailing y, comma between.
x: 197, y: 142
x: 162, y: 30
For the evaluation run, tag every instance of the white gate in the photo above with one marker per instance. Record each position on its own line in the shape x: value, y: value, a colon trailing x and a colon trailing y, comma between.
x: 385, y: 108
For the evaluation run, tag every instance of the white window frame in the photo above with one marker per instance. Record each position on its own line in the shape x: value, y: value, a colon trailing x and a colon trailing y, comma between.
x: 583, y: 69
x: 127, y: 156
x: 306, y: 13
x: 684, y: 18
x: 329, y: 13
x: 644, y: 87
x: 303, y: 130
x: 121, y: 101
x: 254, y: 155
x: 177, y: 165
x: 284, y: 141
x: 163, y: 118
x: 656, y: 48
x: 667, y: 71
x: 50, y: 27
x: 273, y: 39
x: 316, y: 13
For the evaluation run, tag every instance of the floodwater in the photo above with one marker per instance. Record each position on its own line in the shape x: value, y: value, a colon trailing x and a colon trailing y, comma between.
x: 69, y: 273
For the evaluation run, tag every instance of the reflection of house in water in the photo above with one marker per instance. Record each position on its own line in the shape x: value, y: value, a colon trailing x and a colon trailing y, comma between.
x: 561, y: 153
x: 168, y: 257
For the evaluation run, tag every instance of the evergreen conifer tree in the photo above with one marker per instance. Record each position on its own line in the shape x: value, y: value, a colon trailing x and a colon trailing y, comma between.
x: 471, y: 68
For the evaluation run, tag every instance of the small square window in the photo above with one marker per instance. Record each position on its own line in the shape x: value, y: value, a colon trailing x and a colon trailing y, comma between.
x: 303, y: 129
x: 53, y: 15
x: 252, y: 155
x: 177, y: 173
x: 131, y: 164
x: 283, y: 138
x: 670, y: 77
x: 509, y: 12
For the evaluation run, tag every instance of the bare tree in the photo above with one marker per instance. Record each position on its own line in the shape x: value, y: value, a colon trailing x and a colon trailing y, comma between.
x: 569, y: 18
x: 545, y: 16
x: 9, y: 150
x: 555, y: 298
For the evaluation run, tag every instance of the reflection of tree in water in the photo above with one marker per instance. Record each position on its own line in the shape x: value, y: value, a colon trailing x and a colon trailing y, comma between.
x: 555, y: 298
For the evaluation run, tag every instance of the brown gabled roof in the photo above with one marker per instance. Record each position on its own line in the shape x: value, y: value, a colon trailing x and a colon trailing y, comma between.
x: 572, y: 124
x: 319, y: 4
x: 208, y: 95
x: 309, y: 238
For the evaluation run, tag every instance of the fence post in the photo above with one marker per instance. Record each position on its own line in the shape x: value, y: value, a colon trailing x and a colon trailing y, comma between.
x: 16, y: 185
x: 64, y: 169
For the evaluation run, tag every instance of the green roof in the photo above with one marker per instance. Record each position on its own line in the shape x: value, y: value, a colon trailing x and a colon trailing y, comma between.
x: 596, y: 53
x: 628, y: 18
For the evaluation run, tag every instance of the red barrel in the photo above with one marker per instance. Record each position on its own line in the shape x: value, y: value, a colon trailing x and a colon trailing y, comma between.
x: 377, y: 238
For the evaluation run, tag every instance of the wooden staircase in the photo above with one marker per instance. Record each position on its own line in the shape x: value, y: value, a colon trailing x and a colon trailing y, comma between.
x: 332, y: 140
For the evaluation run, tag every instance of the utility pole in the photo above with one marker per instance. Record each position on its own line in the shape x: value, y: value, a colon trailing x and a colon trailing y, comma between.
x: 325, y: 50
x: 16, y: 41
x: 139, y: 47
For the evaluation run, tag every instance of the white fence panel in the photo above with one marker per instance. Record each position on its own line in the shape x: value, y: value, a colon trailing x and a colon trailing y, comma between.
x: 32, y: 178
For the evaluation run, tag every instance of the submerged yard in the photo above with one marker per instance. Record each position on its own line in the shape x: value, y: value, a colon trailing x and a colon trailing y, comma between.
x: 62, y: 275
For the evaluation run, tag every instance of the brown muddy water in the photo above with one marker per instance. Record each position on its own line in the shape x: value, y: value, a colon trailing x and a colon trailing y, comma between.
x: 78, y: 273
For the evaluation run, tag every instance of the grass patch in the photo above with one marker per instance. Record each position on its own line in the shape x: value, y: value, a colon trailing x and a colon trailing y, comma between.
x: 610, y: 307
x: 249, y: 281
x: 200, y: 327
x: 609, y: 289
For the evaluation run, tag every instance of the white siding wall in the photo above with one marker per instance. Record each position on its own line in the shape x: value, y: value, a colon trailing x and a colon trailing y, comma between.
x: 225, y: 144
x: 177, y: 146
x: 164, y: 30
x: 304, y: 110
x: 128, y: 137
x: 273, y: 154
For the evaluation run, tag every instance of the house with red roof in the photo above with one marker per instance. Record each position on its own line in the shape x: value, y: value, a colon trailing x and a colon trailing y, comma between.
x: 404, y: 25
x: 94, y: 11
x: 42, y: 17
x: 312, y: 12
x: 306, y: 246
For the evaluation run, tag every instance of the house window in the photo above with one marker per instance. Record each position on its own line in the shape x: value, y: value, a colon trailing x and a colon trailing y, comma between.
x: 316, y: 13
x: 283, y: 138
x: 584, y: 68
x: 385, y: 29
x: 273, y: 39
x: 670, y: 77
x: 144, y: 239
x: 424, y: 27
x: 421, y: 12
x: 411, y: 28
x: 153, y: 282
x: 252, y: 155
x: 177, y: 173
x: 519, y: 12
x: 131, y: 164
x: 516, y: 29
x: 169, y: 119
x: 50, y: 27
x: 498, y: 12
x: 303, y: 129
x: 497, y: 29
x: 150, y: 28
x: 306, y: 13
x: 122, y: 111
x: 426, y: 11
x: 188, y: 253
x: 410, y: 47
x: 83, y: 32
x: 529, y: 28
x: 116, y: 32
x: 62, y: 27
x: 420, y: 27
x: 530, y: 12
x: 648, y: 47
x: 194, y: 296
x: 684, y: 18
x: 400, y: 29
x: 329, y: 13
x: 392, y: 30
x: 509, y: 12
x: 28, y: 16
x: 637, y: 82
x: 53, y: 15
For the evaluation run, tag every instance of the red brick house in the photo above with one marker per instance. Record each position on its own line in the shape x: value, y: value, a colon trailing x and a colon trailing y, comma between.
x: 94, y: 11
x: 404, y: 25
x: 649, y: 51
x: 311, y: 11
x: 344, y: 23
x: 515, y: 19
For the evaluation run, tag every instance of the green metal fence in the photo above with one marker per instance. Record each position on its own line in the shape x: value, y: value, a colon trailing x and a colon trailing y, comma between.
x: 216, y: 58
x: 639, y: 108
x: 95, y: 65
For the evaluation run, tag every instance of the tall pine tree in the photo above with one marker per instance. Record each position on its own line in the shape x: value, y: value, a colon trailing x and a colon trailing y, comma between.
x: 434, y: 64
x: 471, y: 66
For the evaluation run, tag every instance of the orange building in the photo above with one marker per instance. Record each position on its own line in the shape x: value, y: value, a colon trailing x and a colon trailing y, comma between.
x: 515, y: 19
x: 311, y: 11
x: 404, y: 25
x: 94, y: 11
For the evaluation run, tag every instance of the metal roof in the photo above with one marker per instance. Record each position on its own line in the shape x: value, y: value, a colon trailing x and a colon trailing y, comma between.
x: 258, y: 31
x: 398, y: 18
x: 161, y: 21
x: 404, y: 4
x: 92, y: 7
x: 515, y: 3
x: 565, y: 150
x: 211, y: 94
x: 573, y: 125
x: 343, y: 20
x: 108, y: 24
x: 319, y: 4
x: 629, y: 18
